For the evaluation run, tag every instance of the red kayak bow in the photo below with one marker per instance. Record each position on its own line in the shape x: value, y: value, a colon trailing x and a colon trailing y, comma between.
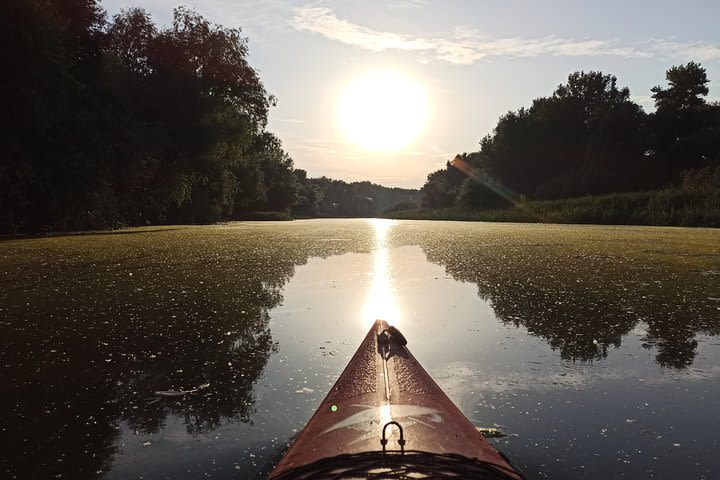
x: 386, y: 418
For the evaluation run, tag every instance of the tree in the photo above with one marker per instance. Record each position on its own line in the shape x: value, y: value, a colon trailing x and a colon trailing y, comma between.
x: 482, y: 194
x: 279, y: 181
x: 46, y: 174
x: 574, y: 142
x: 687, y: 86
x: 442, y: 187
x: 130, y: 37
x: 590, y: 91
x: 615, y: 150
x: 124, y: 123
x: 685, y: 127
x: 309, y: 196
x: 215, y: 57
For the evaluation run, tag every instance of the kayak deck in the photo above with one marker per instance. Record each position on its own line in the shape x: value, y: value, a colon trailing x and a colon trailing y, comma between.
x: 385, y: 401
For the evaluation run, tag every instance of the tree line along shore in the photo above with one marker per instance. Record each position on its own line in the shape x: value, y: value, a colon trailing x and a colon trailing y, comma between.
x: 116, y: 121
x: 668, y: 207
x: 589, y: 154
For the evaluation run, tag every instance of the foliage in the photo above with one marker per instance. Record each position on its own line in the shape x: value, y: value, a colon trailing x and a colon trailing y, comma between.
x: 555, y: 148
x: 687, y: 86
x: 309, y: 197
x: 686, y: 129
x: 442, y: 187
x: 672, y: 207
x: 705, y: 179
x: 477, y: 194
x: 588, y: 138
x: 336, y: 198
x: 121, y: 122
x: 403, y: 205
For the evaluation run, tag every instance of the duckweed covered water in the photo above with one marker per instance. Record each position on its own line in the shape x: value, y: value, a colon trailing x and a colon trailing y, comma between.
x: 594, y: 348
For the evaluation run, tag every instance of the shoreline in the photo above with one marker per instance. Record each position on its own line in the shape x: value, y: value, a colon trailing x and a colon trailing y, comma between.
x: 661, y: 208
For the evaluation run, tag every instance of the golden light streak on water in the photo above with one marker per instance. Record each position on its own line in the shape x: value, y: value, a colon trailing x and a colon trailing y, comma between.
x: 381, y: 303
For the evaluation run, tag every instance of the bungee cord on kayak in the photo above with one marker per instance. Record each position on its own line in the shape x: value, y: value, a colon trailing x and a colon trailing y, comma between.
x: 393, y: 465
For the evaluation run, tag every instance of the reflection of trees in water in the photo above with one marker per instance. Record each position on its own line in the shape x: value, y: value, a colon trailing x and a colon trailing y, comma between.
x: 675, y: 343
x: 582, y: 303
x: 94, y: 329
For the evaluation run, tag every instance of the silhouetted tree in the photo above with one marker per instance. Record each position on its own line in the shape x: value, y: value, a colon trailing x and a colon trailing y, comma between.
x: 124, y: 123
x: 687, y: 86
x: 590, y: 91
x: 337, y: 198
x: 442, y: 187
x: 130, y: 36
x: 588, y: 137
x: 309, y: 196
x: 279, y: 181
x: 686, y: 129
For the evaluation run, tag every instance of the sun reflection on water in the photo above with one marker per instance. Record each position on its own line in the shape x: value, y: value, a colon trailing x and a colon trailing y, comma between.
x: 380, y: 302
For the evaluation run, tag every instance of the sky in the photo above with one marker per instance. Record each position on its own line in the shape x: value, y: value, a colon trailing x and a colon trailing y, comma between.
x: 474, y: 60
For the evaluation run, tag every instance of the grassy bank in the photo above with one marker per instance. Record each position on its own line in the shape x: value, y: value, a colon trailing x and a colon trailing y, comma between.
x: 265, y: 215
x: 671, y: 207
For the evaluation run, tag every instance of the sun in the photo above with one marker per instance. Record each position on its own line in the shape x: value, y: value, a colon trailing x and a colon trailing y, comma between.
x: 382, y: 111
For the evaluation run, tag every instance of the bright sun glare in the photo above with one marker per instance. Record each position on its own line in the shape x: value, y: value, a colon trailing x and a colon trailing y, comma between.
x: 382, y: 111
x: 381, y: 301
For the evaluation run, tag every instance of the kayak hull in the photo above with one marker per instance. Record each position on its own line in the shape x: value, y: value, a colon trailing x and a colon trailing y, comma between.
x: 384, y: 383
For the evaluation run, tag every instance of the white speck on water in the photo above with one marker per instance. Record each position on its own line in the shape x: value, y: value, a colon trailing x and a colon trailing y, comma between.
x: 304, y: 390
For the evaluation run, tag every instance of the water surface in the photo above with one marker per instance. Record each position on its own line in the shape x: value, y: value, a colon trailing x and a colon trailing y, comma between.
x: 595, y: 348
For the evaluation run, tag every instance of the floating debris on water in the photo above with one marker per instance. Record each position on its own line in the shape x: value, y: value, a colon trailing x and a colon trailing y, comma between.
x: 492, y: 432
x: 179, y: 393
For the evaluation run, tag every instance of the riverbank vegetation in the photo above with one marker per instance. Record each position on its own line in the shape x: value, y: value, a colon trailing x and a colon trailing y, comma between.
x: 589, y: 154
x: 669, y: 207
x: 118, y: 121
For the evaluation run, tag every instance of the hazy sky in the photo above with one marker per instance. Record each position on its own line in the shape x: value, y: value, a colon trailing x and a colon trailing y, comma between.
x: 475, y: 59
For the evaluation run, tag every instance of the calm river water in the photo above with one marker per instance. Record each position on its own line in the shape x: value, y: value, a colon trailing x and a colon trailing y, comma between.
x: 595, y: 348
